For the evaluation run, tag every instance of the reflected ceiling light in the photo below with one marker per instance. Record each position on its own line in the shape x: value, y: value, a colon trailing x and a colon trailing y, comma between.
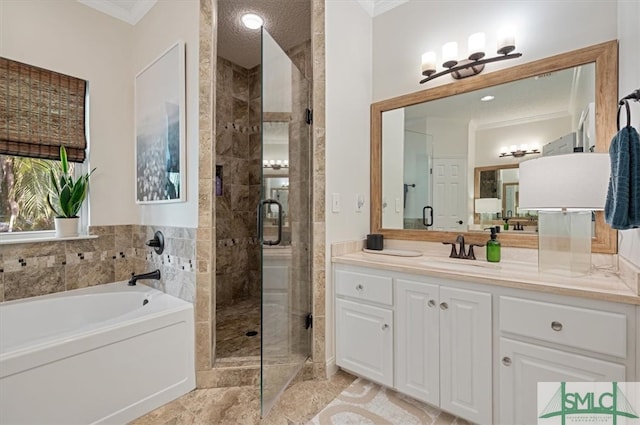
x: 518, y: 152
x: 474, y: 64
x: 252, y: 21
x: 275, y: 164
x: 487, y: 98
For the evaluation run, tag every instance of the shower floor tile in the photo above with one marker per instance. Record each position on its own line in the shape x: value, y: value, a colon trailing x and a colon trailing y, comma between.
x: 232, y: 324
x: 241, y: 405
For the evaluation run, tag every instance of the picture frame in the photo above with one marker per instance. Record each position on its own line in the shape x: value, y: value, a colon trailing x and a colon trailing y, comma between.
x: 160, y: 129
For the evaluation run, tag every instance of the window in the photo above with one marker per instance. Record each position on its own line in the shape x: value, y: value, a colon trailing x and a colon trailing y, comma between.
x: 40, y: 110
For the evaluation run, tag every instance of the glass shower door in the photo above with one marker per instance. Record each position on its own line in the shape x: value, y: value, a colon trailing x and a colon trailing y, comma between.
x: 285, y: 222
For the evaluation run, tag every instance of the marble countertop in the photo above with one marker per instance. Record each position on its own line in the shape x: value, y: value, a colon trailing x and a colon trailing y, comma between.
x: 607, y: 283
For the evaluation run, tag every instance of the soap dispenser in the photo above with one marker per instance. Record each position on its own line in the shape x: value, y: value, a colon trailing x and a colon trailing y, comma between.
x: 493, y: 246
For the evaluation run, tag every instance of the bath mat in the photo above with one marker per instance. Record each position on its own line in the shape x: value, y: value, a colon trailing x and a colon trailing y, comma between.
x: 366, y: 403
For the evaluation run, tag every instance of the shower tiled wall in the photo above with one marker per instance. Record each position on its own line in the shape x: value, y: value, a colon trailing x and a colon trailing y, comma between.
x: 39, y: 268
x: 238, y: 154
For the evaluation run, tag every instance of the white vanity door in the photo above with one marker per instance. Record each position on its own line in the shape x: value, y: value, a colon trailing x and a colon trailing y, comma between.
x: 417, y: 340
x: 364, y: 340
x: 465, y: 354
x: 523, y: 365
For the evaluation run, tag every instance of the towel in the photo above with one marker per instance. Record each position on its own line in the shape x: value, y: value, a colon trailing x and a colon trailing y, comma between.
x: 622, y: 208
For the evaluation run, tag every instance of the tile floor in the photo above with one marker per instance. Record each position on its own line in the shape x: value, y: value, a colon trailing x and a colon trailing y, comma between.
x: 241, y: 405
x: 233, y: 322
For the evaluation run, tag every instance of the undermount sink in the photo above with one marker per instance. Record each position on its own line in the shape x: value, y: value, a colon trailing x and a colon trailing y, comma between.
x: 457, y: 263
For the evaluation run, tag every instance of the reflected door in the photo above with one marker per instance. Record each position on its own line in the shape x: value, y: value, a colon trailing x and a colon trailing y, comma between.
x: 449, y: 177
x: 284, y: 221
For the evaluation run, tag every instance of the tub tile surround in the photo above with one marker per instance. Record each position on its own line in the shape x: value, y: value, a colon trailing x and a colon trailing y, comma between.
x: 32, y: 269
x: 613, y: 278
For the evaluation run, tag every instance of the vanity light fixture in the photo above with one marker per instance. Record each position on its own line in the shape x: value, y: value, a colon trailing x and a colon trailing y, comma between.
x: 252, y: 21
x: 518, y: 152
x: 275, y: 164
x: 475, y: 62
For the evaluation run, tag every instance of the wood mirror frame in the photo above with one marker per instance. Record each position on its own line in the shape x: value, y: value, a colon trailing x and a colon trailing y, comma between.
x: 605, y: 57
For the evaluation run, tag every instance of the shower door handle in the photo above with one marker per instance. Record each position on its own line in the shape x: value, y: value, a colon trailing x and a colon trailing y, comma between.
x: 424, y: 216
x: 260, y: 212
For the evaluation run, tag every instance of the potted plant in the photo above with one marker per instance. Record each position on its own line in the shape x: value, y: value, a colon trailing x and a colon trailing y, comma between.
x: 66, y: 196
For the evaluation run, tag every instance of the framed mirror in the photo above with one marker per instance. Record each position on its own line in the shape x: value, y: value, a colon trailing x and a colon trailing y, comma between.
x: 427, y: 145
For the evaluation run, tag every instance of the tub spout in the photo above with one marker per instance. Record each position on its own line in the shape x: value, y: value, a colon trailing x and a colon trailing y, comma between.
x: 151, y: 275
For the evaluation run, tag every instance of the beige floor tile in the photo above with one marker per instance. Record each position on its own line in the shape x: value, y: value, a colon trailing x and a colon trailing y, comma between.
x: 162, y: 414
x: 241, y: 405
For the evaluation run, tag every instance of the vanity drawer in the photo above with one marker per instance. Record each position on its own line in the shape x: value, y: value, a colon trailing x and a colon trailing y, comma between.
x: 594, y: 330
x: 364, y: 286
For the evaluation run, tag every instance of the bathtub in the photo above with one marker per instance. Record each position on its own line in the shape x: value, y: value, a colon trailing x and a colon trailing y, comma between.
x: 100, y: 355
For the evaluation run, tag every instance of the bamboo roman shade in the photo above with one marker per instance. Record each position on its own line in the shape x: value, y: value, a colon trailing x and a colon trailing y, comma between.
x: 41, y: 110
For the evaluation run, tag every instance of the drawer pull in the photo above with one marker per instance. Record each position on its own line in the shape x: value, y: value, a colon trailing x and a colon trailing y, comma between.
x: 359, y: 287
x: 444, y: 306
x: 431, y: 303
x: 385, y: 327
x: 556, y: 326
x: 506, y: 361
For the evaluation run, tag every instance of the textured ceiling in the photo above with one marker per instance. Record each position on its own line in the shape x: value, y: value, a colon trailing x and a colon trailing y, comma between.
x: 288, y: 22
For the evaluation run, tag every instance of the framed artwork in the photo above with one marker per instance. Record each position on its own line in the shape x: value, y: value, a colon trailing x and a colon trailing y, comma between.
x: 160, y: 157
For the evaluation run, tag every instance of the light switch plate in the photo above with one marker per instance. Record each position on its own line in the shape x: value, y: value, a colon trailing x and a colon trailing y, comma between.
x: 335, y: 202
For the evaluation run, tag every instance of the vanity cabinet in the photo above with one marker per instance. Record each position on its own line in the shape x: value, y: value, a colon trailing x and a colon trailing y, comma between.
x: 443, y: 347
x: 427, y: 340
x: 550, y: 342
x: 364, y: 324
x: 477, y: 350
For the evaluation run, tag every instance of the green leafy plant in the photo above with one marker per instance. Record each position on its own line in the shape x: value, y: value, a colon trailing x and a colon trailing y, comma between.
x: 66, y: 195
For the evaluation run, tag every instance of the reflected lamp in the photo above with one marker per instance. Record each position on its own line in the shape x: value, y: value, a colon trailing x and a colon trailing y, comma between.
x: 565, y: 190
x: 484, y: 206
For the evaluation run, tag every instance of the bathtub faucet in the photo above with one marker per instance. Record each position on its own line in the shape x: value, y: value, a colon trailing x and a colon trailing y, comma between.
x: 151, y: 275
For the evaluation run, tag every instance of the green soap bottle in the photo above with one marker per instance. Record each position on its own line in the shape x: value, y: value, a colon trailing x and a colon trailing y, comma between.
x: 493, y: 247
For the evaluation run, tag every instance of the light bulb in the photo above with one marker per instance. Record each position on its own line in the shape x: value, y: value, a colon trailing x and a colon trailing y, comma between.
x: 476, y: 46
x: 506, y: 41
x: 428, y: 63
x: 513, y: 148
x: 503, y: 149
x: 450, y: 54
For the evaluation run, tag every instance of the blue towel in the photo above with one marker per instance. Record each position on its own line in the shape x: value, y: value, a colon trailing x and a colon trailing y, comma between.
x: 622, y: 209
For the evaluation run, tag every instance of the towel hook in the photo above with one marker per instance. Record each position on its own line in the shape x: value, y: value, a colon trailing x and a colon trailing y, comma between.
x: 624, y: 103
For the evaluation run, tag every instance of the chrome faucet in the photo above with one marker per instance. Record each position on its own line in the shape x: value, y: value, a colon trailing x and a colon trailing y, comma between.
x: 151, y: 275
x: 461, y: 252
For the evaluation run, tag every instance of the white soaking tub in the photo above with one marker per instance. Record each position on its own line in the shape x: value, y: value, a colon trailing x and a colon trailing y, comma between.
x: 100, y: 355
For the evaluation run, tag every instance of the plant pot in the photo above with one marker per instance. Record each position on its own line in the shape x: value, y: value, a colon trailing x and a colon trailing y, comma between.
x: 66, y: 227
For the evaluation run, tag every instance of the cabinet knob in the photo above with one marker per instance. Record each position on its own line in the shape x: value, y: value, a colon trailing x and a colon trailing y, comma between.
x: 506, y: 361
x: 556, y: 326
x: 444, y: 306
x: 385, y: 327
x: 431, y: 303
x: 359, y: 287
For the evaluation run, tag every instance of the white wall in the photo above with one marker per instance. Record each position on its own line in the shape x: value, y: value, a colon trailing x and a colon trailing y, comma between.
x: 488, y: 141
x: 393, y: 177
x: 68, y: 37
x: 628, y: 81
x: 348, y: 96
x: 166, y: 23
x: 71, y: 38
x: 543, y: 28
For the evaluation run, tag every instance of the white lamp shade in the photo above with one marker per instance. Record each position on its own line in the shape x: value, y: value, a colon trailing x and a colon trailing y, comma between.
x: 488, y: 205
x: 577, y: 181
